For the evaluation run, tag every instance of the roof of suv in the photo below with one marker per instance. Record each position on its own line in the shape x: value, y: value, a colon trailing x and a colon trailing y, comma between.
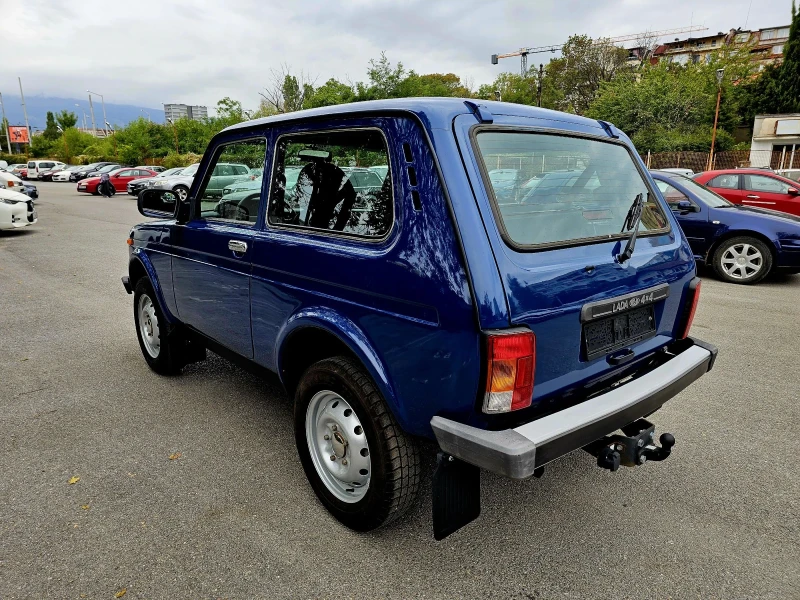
x: 436, y: 110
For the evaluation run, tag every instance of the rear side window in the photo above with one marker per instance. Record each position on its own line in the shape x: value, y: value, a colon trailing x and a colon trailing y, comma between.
x: 553, y: 189
x: 312, y: 186
x: 727, y: 182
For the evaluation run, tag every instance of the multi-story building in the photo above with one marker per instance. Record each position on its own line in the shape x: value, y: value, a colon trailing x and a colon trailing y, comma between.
x: 173, y: 112
x: 766, y: 46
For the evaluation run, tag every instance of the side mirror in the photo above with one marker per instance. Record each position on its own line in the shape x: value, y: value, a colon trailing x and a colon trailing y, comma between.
x: 158, y: 204
x: 685, y: 206
x: 792, y: 191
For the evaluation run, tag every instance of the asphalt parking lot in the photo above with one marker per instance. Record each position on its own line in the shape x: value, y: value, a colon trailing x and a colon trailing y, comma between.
x: 190, y: 487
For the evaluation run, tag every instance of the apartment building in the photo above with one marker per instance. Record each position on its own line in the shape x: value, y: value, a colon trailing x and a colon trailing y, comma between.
x: 173, y: 112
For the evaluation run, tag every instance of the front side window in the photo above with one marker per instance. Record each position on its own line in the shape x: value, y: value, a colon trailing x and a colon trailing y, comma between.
x: 564, y: 189
x: 726, y: 182
x: 762, y: 183
x: 672, y: 195
x: 322, y: 182
x: 215, y: 204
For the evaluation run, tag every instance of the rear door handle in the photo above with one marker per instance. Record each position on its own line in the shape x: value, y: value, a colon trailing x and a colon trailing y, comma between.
x: 753, y: 196
x: 237, y: 246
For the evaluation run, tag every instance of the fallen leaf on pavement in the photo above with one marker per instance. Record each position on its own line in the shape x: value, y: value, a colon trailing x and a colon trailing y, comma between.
x: 85, y: 506
x: 121, y: 593
x: 74, y: 480
x: 175, y: 456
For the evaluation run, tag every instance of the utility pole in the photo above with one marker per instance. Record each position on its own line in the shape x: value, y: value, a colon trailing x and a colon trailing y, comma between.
x: 175, y: 132
x: 91, y: 112
x: 539, y: 91
x: 5, y: 123
x: 719, y: 74
x: 103, y: 102
x: 113, y: 135
x: 66, y: 148
x: 24, y: 110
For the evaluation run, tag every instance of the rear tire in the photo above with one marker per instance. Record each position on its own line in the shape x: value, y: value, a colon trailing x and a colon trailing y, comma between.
x: 162, y: 347
x: 744, y: 260
x: 375, y: 474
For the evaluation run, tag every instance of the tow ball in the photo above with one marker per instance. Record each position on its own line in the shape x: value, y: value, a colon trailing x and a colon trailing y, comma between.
x: 634, y: 448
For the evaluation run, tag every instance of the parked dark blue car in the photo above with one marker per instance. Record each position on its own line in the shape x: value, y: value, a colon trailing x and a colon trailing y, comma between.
x: 743, y: 244
x: 510, y: 333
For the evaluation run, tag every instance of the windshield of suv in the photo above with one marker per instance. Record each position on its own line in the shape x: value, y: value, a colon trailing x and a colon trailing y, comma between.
x: 566, y: 188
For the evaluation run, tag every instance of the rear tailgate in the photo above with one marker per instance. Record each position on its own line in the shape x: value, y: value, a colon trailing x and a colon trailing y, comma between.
x: 557, y: 240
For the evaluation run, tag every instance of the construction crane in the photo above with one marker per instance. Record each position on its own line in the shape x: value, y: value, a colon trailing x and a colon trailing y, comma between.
x: 523, y: 52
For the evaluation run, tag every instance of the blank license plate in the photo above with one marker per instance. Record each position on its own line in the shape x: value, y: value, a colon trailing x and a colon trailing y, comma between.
x: 618, y: 331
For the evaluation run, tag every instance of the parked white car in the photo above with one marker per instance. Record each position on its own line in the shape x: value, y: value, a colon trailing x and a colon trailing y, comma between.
x: 64, y: 175
x: 16, y: 210
x: 10, y: 181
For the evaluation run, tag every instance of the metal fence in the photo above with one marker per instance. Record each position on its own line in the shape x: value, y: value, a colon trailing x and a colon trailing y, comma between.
x: 730, y: 159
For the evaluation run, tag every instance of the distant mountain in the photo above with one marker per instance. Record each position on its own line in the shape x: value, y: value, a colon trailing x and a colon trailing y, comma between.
x: 37, y: 107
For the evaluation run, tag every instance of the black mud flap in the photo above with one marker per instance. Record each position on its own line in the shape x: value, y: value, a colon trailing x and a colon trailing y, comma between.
x: 456, y: 495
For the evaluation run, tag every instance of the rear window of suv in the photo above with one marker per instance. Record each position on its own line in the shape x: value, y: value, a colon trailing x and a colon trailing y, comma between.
x: 567, y: 190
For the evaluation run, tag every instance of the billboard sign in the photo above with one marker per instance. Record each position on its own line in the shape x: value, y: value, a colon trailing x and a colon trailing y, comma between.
x: 19, y: 134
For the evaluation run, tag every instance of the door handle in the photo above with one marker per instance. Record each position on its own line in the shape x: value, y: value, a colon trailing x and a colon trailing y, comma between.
x: 237, y: 246
x: 753, y: 196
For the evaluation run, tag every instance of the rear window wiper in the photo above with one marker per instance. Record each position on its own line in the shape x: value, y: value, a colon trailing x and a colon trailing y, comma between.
x: 631, y: 223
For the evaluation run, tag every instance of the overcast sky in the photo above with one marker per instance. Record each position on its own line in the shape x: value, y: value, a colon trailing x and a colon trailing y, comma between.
x: 151, y: 52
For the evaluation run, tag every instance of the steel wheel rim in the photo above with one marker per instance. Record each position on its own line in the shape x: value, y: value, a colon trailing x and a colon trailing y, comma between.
x: 181, y: 193
x: 148, y: 326
x: 334, y: 431
x: 742, y: 261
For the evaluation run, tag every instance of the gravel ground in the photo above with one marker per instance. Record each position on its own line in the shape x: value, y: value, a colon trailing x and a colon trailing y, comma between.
x: 190, y: 487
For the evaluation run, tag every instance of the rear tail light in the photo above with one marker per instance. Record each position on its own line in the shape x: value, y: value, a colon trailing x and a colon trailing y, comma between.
x: 691, y: 307
x: 510, y: 368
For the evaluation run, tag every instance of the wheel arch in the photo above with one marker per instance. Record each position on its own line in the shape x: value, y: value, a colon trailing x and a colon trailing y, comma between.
x: 318, y: 333
x: 140, y: 266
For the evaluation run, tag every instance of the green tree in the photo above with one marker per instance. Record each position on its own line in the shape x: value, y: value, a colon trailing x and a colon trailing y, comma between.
x: 50, y: 130
x: 66, y: 119
x: 584, y: 66
x: 384, y: 80
x: 331, y: 93
x: 432, y: 85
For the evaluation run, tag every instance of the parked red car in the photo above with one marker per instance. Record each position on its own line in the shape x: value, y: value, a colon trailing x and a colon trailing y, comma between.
x: 754, y: 187
x: 118, y: 178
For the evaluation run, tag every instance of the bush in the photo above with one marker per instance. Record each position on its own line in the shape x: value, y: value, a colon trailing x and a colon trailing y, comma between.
x: 13, y: 159
x: 698, y: 139
x: 173, y: 160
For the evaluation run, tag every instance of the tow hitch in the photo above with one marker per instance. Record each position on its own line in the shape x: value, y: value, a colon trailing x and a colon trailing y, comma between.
x: 635, y: 447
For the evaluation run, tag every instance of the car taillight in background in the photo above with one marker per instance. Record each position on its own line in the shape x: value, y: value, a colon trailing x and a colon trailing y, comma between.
x: 691, y: 307
x: 511, y: 361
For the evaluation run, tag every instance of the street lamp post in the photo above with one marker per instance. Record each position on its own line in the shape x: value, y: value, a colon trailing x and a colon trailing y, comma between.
x: 113, y: 135
x: 103, y: 102
x: 66, y: 147
x: 84, y: 115
x: 175, y: 133
x: 719, y: 74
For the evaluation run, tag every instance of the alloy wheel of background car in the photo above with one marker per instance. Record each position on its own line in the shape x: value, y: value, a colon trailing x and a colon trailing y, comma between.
x: 743, y: 260
x: 338, y: 446
x: 182, y: 192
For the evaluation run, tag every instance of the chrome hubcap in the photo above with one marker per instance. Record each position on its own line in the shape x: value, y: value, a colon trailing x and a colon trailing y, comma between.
x: 338, y: 446
x: 181, y: 193
x: 742, y: 261
x: 148, y: 326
